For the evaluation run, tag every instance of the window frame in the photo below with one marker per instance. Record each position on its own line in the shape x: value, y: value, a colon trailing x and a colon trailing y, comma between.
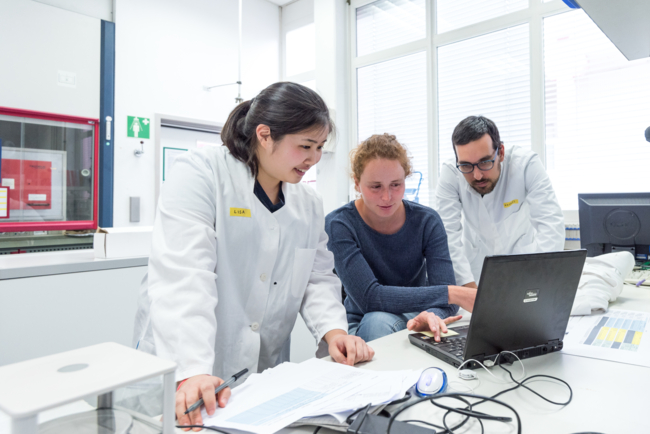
x: 534, y: 15
x: 59, y: 225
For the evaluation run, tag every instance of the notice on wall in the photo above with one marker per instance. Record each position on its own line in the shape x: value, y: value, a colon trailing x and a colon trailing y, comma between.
x: 4, y: 202
x: 9, y: 182
x: 138, y: 127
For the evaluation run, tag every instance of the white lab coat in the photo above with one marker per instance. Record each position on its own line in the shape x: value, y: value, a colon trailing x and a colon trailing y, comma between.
x: 521, y: 215
x: 224, y: 290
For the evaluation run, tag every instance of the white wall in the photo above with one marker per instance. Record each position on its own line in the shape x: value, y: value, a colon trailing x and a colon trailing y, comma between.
x: 46, y: 315
x: 37, y: 41
x: 300, y: 10
x: 331, y: 81
x: 166, y: 51
x: 102, y: 9
x: 297, y: 14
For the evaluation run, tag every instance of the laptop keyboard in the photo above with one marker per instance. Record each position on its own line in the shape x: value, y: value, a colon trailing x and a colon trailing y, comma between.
x: 455, y: 345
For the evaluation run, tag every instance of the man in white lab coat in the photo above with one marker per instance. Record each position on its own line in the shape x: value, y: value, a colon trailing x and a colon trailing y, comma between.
x: 494, y: 201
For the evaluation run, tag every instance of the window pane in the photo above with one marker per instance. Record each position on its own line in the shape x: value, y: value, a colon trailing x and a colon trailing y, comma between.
x: 48, y: 167
x: 301, y: 50
x: 392, y: 98
x: 453, y: 14
x: 596, y: 111
x: 489, y: 76
x: 310, y: 84
x: 389, y: 23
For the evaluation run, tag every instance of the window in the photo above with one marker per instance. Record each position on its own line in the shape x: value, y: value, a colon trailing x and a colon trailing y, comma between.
x: 488, y: 75
x: 49, y: 167
x: 453, y: 14
x: 48, y: 172
x: 545, y: 73
x: 390, y: 100
x: 596, y: 111
x: 389, y: 23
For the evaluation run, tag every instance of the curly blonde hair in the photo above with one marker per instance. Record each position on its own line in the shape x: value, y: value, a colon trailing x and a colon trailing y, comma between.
x: 376, y: 146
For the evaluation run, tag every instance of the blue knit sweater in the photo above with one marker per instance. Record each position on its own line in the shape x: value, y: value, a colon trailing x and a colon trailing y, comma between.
x: 404, y: 272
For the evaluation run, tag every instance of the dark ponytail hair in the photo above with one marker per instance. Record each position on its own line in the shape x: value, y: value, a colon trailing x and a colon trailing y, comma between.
x: 285, y: 107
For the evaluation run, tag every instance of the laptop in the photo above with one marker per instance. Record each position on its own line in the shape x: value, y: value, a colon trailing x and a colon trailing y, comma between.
x: 522, y: 305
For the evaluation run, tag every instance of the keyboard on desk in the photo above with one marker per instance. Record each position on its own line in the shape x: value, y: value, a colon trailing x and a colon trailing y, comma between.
x: 452, y: 345
x: 639, y: 278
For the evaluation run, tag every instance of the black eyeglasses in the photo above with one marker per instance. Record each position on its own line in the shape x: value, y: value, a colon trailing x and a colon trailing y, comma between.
x: 484, y: 165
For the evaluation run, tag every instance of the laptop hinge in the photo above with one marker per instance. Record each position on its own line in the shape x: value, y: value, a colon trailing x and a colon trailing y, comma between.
x: 477, y: 357
x: 554, y: 342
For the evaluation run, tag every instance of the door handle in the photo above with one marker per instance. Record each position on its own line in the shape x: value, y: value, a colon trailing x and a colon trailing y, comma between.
x: 109, y: 120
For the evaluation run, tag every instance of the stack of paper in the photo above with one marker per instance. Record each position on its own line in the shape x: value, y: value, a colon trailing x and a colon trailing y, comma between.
x: 270, y: 401
x: 330, y: 422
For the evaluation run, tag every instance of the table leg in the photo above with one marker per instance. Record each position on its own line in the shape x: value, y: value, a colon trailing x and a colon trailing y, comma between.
x: 27, y: 425
x: 105, y: 401
x: 169, y: 393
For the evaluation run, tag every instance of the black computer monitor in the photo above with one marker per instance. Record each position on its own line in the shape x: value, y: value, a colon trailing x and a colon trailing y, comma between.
x: 611, y: 222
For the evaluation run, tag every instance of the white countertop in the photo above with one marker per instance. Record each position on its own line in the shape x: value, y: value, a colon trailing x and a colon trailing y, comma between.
x: 608, y: 397
x: 63, y: 262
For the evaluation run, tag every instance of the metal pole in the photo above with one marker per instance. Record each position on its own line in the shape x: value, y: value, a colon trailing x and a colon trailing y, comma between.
x: 169, y: 394
x: 239, y: 98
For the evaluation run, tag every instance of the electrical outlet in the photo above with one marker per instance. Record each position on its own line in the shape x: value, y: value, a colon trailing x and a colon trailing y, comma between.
x: 67, y: 79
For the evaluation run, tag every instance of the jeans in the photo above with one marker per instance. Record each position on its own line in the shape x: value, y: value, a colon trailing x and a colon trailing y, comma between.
x: 375, y: 325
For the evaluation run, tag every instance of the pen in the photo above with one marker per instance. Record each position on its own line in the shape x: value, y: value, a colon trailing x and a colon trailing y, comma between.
x: 640, y: 282
x: 225, y: 384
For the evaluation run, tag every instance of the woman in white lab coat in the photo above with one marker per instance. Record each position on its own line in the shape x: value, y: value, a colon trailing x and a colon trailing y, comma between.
x: 239, y: 248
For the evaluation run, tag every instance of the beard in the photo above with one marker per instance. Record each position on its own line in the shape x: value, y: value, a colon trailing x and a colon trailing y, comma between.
x: 487, y: 189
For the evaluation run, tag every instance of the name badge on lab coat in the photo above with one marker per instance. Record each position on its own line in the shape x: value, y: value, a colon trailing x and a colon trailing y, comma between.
x: 507, y: 204
x: 240, y: 212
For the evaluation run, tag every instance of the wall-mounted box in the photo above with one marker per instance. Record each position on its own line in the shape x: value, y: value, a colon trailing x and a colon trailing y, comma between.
x: 122, y: 242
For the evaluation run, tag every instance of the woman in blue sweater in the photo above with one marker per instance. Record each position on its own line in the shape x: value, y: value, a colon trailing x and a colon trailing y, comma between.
x: 391, y: 254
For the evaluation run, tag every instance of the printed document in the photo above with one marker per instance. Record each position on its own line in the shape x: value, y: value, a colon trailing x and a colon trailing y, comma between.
x: 617, y: 335
x: 274, y: 399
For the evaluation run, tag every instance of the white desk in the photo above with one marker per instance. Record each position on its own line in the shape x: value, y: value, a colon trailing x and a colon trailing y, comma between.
x: 608, y: 397
x: 65, y: 262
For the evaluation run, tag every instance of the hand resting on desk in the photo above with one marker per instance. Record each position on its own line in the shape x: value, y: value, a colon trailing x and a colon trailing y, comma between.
x: 344, y: 349
x: 347, y: 349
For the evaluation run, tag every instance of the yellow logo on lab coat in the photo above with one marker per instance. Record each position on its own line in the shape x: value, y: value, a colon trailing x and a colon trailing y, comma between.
x: 512, y: 202
x: 240, y: 212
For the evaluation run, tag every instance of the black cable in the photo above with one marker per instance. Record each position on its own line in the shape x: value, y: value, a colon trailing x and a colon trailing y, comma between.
x: 463, y: 422
x: 202, y: 427
x: 317, y: 429
x: 405, y: 398
x: 536, y: 393
x: 363, y: 417
x: 451, y: 430
x: 354, y: 413
x: 459, y: 410
x: 420, y: 421
x: 470, y: 412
